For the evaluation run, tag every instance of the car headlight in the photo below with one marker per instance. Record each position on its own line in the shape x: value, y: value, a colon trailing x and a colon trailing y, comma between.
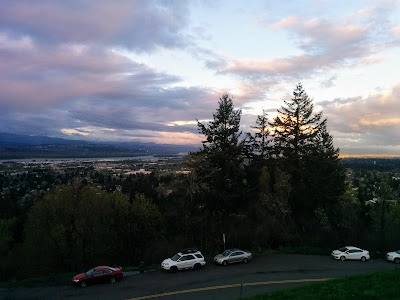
x: 76, y: 280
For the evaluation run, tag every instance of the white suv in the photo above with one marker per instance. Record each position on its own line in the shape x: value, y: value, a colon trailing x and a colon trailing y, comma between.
x: 186, y: 259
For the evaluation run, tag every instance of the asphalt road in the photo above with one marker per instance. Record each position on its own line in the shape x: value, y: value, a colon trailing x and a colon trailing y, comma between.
x: 270, y: 272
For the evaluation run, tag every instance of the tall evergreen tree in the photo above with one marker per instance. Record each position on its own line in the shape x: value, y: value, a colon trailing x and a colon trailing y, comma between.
x: 306, y: 150
x: 296, y: 126
x: 223, y: 154
x: 259, y: 144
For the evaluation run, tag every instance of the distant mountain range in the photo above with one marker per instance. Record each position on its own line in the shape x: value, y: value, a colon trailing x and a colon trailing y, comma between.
x: 26, y: 146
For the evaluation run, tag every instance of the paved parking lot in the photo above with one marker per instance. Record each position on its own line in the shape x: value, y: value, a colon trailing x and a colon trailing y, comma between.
x: 269, y: 272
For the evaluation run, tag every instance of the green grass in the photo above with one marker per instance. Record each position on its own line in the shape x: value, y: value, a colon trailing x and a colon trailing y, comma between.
x: 371, y: 286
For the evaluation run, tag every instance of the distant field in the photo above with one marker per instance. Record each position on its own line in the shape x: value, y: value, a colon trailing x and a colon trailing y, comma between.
x: 379, y: 286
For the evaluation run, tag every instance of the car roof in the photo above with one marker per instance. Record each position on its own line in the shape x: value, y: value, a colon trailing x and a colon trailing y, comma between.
x: 234, y: 249
x: 197, y: 252
x: 352, y: 247
x: 101, y: 267
x: 189, y: 250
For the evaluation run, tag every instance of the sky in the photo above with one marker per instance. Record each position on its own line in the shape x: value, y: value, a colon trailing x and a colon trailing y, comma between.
x: 145, y: 71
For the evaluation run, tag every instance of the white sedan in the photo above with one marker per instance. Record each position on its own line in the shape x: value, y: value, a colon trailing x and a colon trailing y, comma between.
x: 350, y: 252
x: 393, y: 256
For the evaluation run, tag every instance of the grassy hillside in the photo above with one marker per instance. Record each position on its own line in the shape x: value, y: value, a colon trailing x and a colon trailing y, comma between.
x: 381, y: 285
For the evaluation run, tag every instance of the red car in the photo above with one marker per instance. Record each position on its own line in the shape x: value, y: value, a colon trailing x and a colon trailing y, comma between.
x: 98, y: 274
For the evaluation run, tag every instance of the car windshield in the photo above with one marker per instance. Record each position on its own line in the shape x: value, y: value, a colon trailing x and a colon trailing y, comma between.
x: 90, y: 272
x: 226, y: 253
x: 175, y: 257
x: 344, y: 249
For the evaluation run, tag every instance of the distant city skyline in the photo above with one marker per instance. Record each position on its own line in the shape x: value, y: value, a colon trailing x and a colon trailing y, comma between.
x: 146, y: 70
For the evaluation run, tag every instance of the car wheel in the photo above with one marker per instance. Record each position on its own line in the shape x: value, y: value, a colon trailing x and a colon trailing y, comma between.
x: 245, y: 260
x: 363, y: 258
x: 112, y: 280
x: 173, y: 269
x: 397, y: 260
x: 197, y: 267
x: 225, y: 263
x: 83, y: 283
x: 342, y: 258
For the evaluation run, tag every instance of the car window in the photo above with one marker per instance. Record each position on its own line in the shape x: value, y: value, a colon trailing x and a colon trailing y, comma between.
x: 189, y: 257
x: 90, y: 272
x: 107, y: 271
x: 226, y: 253
x: 398, y: 251
x: 175, y: 257
x: 354, y: 251
x: 183, y: 258
x: 199, y: 256
x: 98, y: 273
x: 344, y: 249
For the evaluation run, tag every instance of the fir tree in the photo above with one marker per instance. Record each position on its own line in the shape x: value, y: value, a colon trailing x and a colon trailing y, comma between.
x: 306, y: 151
x: 223, y: 154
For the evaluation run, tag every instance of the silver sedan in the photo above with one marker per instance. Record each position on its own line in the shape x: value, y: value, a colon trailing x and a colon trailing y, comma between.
x: 232, y: 256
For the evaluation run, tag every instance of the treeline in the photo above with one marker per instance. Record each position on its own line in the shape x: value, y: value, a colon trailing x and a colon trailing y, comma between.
x: 282, y: 184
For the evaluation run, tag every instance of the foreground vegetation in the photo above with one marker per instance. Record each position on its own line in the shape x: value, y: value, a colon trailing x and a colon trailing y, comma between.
x: 380, y: 285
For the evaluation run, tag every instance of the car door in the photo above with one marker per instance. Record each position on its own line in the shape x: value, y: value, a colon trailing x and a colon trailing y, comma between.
x: 357, y: 254
x: 185, y: 261
x: 97, y: 276
x: 107, y: 275
x: 239, y: 256
x: 180, y: 263
x: 230, y: 258
x: 234, y: 257
x: 189, y: 261
x: 352, y: 254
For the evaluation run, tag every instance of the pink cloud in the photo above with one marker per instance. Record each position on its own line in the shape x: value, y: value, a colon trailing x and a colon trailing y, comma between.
x: 139, y: 25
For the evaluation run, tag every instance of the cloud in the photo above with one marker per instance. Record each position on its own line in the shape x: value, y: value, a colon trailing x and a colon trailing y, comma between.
x: 326, y: 45
x: 33, y: 77
x: 137, y: 25
x: 329, y: 82
x: 371, y: 122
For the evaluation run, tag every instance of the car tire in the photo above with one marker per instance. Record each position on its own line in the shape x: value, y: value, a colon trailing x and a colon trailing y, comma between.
x: 245, y: 260
x: 342, y: 258
x: 174, y: 269
x: 363, y: 258
x: 197, y: 266
x: 225, y: 263
x: 83, y: 284
x: 397, y: 260
x: 112, y: 280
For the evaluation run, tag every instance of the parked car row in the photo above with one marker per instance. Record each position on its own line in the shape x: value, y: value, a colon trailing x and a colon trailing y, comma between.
x: 191, y: 258
x: 354, y: 253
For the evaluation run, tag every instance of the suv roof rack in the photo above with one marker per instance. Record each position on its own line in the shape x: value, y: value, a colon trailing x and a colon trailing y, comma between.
x: 189, y: 250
